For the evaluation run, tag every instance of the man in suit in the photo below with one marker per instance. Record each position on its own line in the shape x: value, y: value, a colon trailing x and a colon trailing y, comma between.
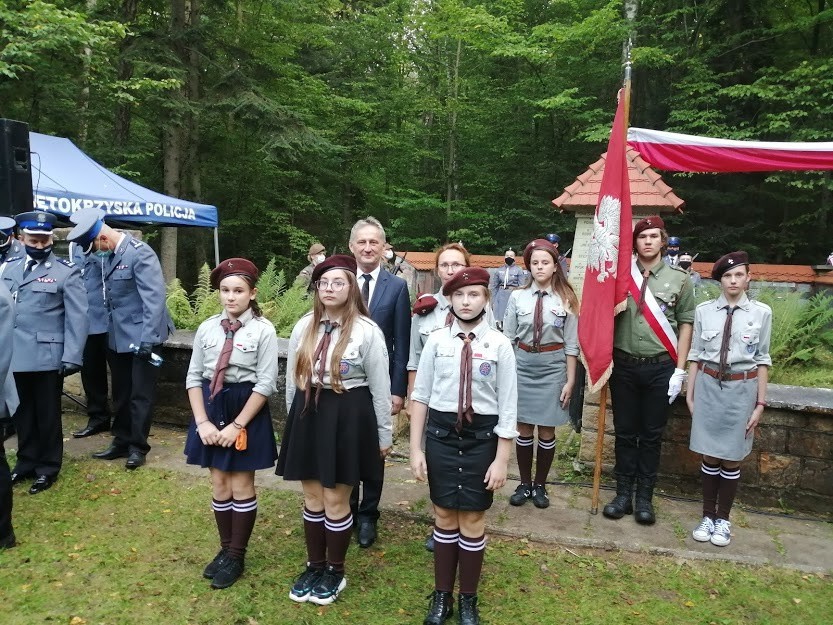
x: 8, y: 405
x: 50, y: 330
x: 139, y: 323
x: 387, y: 300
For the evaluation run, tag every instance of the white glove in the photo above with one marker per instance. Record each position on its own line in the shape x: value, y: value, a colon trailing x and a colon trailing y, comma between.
x: 675, y: 384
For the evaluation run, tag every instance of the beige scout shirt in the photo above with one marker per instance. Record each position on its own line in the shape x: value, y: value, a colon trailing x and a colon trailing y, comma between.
x: 674, y: 293
x: 254, y: 356
x: 364, y: 363
x: 751, y: 331
x: 560, y: 326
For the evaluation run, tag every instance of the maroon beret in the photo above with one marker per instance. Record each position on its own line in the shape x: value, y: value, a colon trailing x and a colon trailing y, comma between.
x: 338, y: 261
x: 467, y: 276
x: 424, y: 304
x: 233, y: 267
x: 653, y: 221
x: 729, y: 261
x: 539, y: 244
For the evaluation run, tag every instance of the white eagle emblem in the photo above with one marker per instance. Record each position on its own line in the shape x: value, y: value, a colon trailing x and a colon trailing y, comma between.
x: 603, y: 254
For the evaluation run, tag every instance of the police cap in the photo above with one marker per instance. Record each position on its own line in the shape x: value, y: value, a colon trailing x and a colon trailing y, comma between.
x: 36, y: 222
x: 88, y: 223
x: 7, y: 225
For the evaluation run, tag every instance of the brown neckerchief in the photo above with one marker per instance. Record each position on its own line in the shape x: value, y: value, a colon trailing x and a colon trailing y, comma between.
x: 724, y: 344
x: 538, y: 319
x: 320, y: 354
x: 464, y: 408
x: 229, y: 327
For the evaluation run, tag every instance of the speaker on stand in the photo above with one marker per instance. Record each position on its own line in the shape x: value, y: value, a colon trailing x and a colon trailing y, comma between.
x: 15, y: 169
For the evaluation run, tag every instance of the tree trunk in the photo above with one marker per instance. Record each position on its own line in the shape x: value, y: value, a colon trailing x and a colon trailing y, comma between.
x: 452, y: 183
x: 84, y: 99
x: 121, y: 129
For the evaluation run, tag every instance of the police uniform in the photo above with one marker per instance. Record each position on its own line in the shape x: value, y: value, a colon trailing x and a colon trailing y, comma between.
x: 12, y: 246
x: 50, y: 330
x: 502, y: 282
x: 7, y: 538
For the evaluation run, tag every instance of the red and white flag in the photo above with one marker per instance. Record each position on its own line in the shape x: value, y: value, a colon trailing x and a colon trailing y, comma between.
x: 673, y: 151
x: 607, y: 276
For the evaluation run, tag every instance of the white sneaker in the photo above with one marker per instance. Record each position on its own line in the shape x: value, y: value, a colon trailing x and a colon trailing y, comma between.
x: 722, y: 535
x: 703, y: 532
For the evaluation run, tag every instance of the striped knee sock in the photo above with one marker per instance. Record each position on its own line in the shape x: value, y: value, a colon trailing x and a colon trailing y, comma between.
x: 315, y: 537
x: 222, y: 515
x: 711, y: 482
x: 338, y: 533
x: 243, y: 515
x: 445, y: 558
x: 470, y: 556
x: 523, y: 450
x: 729, y: 479
x: 543, y: 461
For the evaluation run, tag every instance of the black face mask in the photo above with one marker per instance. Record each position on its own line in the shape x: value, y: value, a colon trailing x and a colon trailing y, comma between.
x: 685, y: 264
x: 38, y: 254
x: 509, y: 261
x: 4, y: 247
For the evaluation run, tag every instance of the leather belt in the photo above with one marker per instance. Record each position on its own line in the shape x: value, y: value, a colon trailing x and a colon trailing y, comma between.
x: 618, y: 354
x: 547, y: 347
x: 728, y: 377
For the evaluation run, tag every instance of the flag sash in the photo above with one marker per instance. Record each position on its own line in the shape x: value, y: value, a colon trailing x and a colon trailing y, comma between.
x: 653, y: 314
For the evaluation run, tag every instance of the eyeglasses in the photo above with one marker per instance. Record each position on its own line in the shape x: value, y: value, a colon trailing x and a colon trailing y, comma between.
x: 454, y: 266
x: 336, y: 285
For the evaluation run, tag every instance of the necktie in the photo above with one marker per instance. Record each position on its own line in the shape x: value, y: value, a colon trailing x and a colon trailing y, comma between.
x: 320, y: 356
x: 216, y: 385
x: 366, y: 288
x: 538, y: 319
x: 29, y: 266
x: 448, y: 319
x: 724, y: 344
x: 464, y: 408
x: 644, y: 288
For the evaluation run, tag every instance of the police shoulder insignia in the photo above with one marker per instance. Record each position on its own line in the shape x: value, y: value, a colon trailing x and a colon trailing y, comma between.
x: 68, y: 263
x: 136, y: 243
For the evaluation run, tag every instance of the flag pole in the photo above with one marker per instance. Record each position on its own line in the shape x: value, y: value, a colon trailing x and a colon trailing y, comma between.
x: 600, y: 420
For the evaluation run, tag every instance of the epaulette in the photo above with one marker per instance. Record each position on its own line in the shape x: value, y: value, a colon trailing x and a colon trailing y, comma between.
x: 136, y: 243
x: 65, y: 262
x: 706, y: 303
x: 424, y: 304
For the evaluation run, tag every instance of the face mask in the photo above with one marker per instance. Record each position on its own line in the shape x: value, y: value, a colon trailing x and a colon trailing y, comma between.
x: 102, y: 253
x: 319, y: 259
x: 389, y: 254
x: 509, y: 261
x: 673, y: 252
x: 4, y: 247
x: 38, y: 254
x: 685, y: 264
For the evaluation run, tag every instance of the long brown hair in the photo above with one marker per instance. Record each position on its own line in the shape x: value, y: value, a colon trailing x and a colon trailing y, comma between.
x: 559, y: 285
x: 353, y: 308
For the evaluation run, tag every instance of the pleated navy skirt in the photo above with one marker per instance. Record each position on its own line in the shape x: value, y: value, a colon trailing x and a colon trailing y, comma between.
x: 335, y: 442
x: 261, y: 451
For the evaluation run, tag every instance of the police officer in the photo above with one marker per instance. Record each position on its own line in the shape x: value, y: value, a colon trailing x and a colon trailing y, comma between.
x: 50, y: 330
x: 672, y: 255
x: 645, y: 374
x: 94, y: 369
x: 8, y: 404
x: 502, y: 282
x: 139, y: 323
x: 317, y: 254
x: 562, y: 259
x: 9, y: 247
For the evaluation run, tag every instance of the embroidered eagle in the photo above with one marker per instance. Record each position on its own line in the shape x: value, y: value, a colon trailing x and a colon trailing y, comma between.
x: 603, y: 253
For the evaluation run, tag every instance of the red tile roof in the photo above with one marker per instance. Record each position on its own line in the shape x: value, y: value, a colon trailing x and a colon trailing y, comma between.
x: 424, y: 261
x: 647, y: 187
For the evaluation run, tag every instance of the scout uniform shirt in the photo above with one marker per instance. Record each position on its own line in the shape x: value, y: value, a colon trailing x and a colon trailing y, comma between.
x: 751, y: 330
x: 494, y: 389
x: 254, y: 354
x: 674, y: 294
x: 560, y: 326
x: 364, y: 363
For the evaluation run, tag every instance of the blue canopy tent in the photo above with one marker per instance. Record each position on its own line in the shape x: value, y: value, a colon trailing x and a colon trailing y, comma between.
x: 65, y: 179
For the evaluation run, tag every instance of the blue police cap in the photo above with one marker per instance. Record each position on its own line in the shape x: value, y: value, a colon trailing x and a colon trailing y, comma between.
x: 674, y: 241
x: 36, y: 222
x: 552, y: 238
x: 7, y: 225
x: 88, y: 222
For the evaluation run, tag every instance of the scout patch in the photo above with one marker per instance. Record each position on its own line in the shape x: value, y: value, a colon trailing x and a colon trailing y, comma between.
x: 344, y: 368
x: 485, y: 369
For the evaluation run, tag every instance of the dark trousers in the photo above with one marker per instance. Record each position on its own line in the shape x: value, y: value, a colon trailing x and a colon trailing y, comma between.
x: 94, y: 379
x: 5, y: 496
x: 371, y: 491
x: 639, y: 395
x: 134, y: 391
x: 40, y: 443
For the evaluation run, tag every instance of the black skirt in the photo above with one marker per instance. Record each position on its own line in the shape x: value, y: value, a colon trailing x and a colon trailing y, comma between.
x: 261, y: 451
x: 335, y: 442
x: 457, y: 462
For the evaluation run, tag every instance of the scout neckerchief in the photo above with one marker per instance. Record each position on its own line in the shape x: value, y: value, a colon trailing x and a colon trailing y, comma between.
x: 464, y: 408
x: 652, y: 312
x: 724, y: 343
x: 320, y: 357
x: 229, y: 327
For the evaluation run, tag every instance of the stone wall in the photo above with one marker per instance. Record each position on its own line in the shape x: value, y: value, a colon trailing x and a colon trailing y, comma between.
x: 791, y: 464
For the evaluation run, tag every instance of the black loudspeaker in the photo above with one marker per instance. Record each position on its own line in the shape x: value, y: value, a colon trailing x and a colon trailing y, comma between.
x: 15, y: 170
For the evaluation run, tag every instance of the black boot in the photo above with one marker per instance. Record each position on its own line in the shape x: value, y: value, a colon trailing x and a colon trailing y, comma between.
x: 440, y: 608
x: 644, y: 509
x: 622, y: 503
x: 467, y: 610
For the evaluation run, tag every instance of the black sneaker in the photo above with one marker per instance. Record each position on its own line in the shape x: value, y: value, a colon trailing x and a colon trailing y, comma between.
x: 540, y: 497
x: 212, y: 567
x: 329, y: 585
x: 304, y: 583
x: 522, y: 493
x: 228, y: 573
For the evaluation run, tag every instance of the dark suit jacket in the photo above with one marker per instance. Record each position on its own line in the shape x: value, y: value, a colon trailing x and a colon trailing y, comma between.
x: 390, y: 308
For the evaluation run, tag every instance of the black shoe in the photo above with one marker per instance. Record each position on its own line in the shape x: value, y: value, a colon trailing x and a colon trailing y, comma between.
x: 7, y: 430
x: 429, y: 544
x: 440, y: 609
x: 135, y: 460
x: 17, y: 478
x: 622, y: 503
x: 644, y: 509
x: 228, y: 573
x: 111, y: 453
x: 467, y: 612
x: 215, y: 565
x: 90, y: 430
x: 367, y: 534
x: 7, y: 542
x: 522, y: 493
x: 540, y: 497
x: 42, y: 483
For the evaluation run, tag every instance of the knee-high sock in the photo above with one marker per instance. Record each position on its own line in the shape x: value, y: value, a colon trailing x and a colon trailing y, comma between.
x: 711, y: 482
x: 338, y: 533
x: 316, y: 538
x: 446, y: 549
x: 543, y: 460
x: 222, y: 515
x: 523, y: 450
x: 729, y: 479
x: 470, y: 556
x: 244, y: 513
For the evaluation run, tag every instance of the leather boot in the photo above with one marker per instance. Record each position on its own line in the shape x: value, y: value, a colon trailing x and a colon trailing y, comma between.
x: 440, y: 609
x: 644, y: 508
x: 467, y: 610
x: 622, y: 503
